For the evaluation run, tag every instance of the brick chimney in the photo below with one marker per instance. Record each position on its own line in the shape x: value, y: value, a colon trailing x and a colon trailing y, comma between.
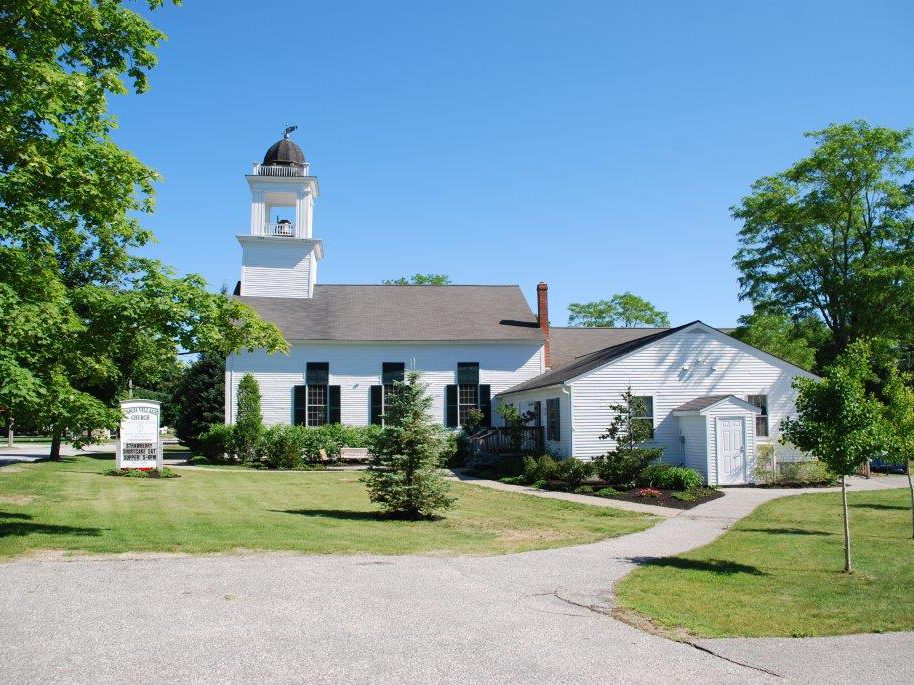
x: 542, y: 314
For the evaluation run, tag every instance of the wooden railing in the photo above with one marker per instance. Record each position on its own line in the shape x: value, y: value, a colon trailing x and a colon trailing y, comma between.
x: 279, y: 170
x: 496, y: 441
x: 280, y: 230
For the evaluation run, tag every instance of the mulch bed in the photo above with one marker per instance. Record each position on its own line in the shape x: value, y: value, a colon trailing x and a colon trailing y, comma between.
x: 667, y: 500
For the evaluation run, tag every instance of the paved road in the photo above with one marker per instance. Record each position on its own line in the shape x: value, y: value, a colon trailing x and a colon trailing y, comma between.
x: 527, y: 617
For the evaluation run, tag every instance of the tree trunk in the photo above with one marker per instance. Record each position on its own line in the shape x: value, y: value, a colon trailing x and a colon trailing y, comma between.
x: 911, y: 487
x: 55, y: 444
x: 847, y: 527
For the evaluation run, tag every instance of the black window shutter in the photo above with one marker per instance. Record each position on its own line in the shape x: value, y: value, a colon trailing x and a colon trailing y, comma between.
x: 450, y: 414
x: 318, y: 373
x: 376, y: 409
x: 299, y: 405
x: 393, y: 372
x: 485, y: 404
x: 468, y: 373
x: 333, y: 404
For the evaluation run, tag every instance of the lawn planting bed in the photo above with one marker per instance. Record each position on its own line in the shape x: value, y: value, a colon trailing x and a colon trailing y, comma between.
x: 71, y: 505
x: 779, y: 572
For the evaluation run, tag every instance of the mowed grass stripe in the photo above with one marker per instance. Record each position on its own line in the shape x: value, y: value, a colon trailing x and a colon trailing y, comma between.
x: 779, y: 572
x: 77, y: 508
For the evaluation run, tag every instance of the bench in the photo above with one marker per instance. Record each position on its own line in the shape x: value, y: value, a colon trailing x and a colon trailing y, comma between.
x: 354, y: 454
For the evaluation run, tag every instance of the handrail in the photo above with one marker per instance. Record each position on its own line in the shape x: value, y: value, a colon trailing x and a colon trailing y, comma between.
x: 279, y: 170
x: 508, y: 440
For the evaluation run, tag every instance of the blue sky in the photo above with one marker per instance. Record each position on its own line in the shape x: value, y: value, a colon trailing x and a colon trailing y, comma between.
x: 593, y: 145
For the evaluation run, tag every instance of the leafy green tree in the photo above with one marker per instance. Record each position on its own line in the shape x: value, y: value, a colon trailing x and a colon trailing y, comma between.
x: 629, y: 431
x: 778, y: 335
x: 420, y: 279
x: 624, y: 309
x: 839, y: 421
x: 404, y: 479
x: 84, y: 316
x: 515, y: 421
x: 831, y: 236
x: 249, y: 420
x: 199, y: 399
x: 898, y: 422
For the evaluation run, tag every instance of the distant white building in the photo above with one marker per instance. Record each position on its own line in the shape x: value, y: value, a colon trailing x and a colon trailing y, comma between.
x: 711, y: 399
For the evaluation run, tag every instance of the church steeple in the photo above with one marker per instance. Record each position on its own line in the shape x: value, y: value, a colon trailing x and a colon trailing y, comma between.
x: 280, y: 255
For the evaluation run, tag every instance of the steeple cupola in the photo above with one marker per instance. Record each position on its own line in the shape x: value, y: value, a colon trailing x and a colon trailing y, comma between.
x: 279, y: 254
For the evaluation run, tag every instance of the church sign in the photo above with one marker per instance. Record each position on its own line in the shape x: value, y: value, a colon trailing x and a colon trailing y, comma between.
x: 139, y: 446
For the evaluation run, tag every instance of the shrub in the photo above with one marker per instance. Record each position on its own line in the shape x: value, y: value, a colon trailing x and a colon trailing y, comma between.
x: 512, y: 480
x: 164, y: 472
x: 539, y: 484
x: 573, y: 471
x: 249, y: 422
x: 281, y: 447
x: 765, y: 471
x: 648, y: 492
x: 542, y: 468
x: 805, y: 473
x: 217, y: 444
x: 332, y: 437
x: 622, y: 465
x: 584, y: 490
x: 608, y: 492
x: 669, y: 477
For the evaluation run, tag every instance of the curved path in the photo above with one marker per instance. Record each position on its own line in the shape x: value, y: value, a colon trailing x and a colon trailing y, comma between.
x: 537, y: 616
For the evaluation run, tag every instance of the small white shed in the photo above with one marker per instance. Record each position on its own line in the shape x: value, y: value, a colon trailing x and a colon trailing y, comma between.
x: 718, y: 438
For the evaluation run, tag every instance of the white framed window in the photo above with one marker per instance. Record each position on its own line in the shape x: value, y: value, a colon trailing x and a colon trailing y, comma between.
x: 761, y: 420
x: 643, y: 411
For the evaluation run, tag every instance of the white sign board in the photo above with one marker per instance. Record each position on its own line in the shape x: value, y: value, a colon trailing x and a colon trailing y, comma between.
x: 139, y: 446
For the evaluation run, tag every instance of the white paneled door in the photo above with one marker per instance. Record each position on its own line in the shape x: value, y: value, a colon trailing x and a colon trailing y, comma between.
x: 731, y: 451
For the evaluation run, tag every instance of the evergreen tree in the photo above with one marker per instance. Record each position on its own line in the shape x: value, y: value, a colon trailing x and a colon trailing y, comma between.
x: 404, y: 479
x: 249, y: 422
x: 199, y: 399
x: 624, y: 462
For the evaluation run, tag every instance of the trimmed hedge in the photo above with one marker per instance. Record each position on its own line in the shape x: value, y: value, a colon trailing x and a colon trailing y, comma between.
x: 669, y: 477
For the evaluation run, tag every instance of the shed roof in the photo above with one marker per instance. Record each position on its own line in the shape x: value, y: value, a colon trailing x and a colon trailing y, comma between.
x: 699, y: 404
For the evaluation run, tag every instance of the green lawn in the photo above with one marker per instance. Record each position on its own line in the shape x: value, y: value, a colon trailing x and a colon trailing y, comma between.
x: 779, y: 572
x: 71, y: 505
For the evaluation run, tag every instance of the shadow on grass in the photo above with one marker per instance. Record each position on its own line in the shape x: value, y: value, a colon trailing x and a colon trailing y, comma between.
x: 717, y: 567
x: 350, y: 515
x: 22, y: 525
x: 341, y: 514
x: 783, y: 531
x: 880, y: 507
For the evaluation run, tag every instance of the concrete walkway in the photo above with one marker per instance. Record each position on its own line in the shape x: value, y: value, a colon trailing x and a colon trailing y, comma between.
x: 532, y: 617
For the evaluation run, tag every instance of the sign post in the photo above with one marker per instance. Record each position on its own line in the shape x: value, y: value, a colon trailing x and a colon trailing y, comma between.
x: 139, y: 446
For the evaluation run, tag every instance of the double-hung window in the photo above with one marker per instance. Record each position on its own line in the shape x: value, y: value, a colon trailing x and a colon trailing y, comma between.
x: 642, y: 411
x: 467, y: 395
x: 391, y: 372
x: 553, y: 420
x: 761, y: 420
x: 316, y: 402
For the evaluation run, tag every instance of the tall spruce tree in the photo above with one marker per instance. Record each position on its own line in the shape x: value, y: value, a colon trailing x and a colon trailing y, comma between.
x: 404, y: 479
x: 199, y: 398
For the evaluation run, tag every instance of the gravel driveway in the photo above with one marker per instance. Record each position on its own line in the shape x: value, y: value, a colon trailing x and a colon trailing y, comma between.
x: 527, y: 617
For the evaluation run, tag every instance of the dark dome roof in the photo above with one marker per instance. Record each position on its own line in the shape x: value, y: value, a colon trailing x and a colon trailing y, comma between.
x: 284, y: 153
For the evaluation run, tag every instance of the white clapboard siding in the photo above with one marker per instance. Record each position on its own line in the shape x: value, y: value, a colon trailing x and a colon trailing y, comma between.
x: 524, y: 402
x: 355, y: 367
x: 277, y: 268
x: 691, y: 363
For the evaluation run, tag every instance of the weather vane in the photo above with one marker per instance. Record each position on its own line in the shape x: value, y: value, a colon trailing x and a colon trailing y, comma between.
x: 288, y: 131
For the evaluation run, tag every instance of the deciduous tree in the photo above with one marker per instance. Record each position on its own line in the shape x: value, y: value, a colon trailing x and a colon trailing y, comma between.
x: 777, y: 334
x: 625, y: 309
x: 839, y: 421
x: 420, y: 279
x: 83, y: 315
x: 833, y: 235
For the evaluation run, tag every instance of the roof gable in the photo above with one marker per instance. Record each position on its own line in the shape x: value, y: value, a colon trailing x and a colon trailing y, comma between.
x: 584, y: 365
x: 403, y: 313
x: 702, y: 405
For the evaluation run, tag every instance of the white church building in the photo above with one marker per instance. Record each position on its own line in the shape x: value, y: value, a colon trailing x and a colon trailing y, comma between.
x: 710, y: 398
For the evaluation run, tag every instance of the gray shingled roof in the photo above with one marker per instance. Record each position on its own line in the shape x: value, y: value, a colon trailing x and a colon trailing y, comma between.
x: 402, y: 312
x: 591, y: 361
x: 700, y: 403
x: 567, y: 344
